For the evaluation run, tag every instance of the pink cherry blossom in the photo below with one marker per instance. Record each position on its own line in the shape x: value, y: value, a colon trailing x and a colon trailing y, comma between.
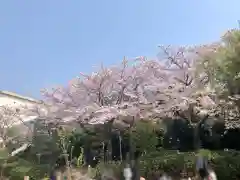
x: 139, y: 88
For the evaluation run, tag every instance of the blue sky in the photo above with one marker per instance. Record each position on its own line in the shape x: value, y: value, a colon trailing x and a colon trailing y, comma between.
x: 48, y: 42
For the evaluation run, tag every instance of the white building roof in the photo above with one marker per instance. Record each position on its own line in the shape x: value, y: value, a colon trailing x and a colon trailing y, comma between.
x: 14, y: 95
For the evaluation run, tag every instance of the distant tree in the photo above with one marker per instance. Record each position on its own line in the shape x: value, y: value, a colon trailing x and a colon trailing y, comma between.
x: 221, y: 61
x: 9, y: 118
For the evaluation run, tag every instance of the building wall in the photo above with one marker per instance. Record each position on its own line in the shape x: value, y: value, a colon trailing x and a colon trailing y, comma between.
x: 14, y: 101
x: 24, y: 126
x: 18, y: 103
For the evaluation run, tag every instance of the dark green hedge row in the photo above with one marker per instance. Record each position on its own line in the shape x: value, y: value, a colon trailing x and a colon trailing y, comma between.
x: 226, y: 164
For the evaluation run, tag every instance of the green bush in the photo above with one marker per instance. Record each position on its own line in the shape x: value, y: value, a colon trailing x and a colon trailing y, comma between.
x: 170, y: 162
x: 110, y: 168
x: 225, y: 164
x: 144, y: 137
x: 18, y: 168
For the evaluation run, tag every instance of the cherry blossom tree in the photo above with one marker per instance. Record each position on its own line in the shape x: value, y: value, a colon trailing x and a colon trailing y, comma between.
x: 137, y: 89
x: 110, y: 92
x: 10, y: 118
x: 7, y: 117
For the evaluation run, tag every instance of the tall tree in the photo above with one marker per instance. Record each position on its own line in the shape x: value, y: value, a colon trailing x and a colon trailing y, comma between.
x: 137, y: 89
x: 222, y: 63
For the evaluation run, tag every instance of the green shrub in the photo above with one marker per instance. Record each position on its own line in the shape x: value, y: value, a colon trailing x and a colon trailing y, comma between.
x: 168, y: 161
x: 112, y: 168
x: 19, y: 168
x: 144, y: 137
x: 225, y: 164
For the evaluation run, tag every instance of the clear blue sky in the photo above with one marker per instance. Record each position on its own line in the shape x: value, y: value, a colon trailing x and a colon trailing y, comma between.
x: 48, y: 42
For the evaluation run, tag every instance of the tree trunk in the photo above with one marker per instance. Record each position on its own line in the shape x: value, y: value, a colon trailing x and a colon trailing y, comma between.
x: 68, y: 168
x: 135, y: 169
x: 120, y: 146
x: 196, y: 137
x: 108, y: 137
x: 131, y: 146
x: 110, y: 149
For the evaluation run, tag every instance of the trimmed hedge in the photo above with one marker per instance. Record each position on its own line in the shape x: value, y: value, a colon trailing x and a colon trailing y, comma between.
x: 225, y: 163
